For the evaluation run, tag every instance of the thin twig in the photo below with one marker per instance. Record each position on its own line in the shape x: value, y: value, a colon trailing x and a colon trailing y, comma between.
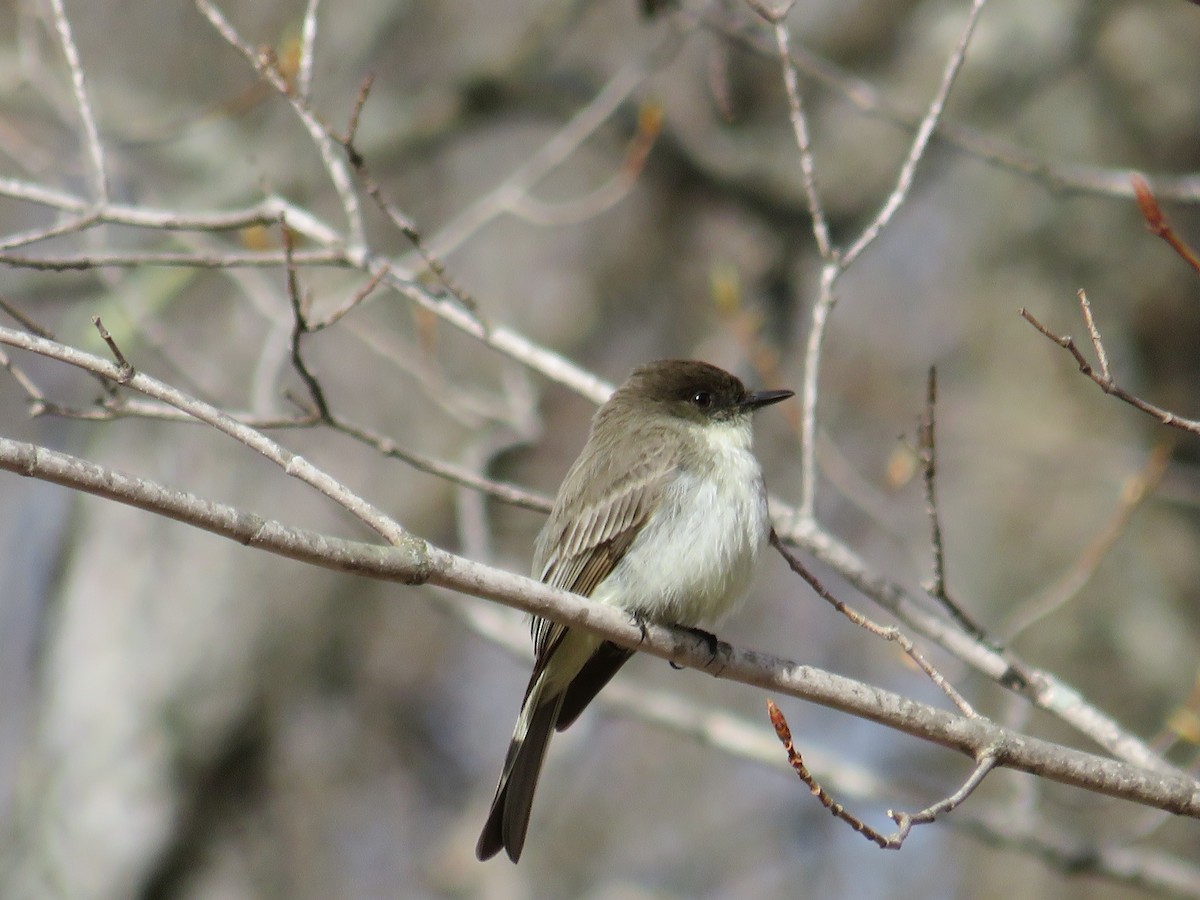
x: 355, y: 299
x: 82, y: 104
x: 503, y: 491
x: 887, y: 633
x: 34, y: 395
x: 266, y: 212
x: 399, y: 219
x: 927, y: 444
x: 215, y: 260
x: 810, y: 393
x: 796, y: 761
x: 27, y: 323
x: 799, y: 119
x: 986, y: 762
x: 920, y: 141
x: 126, y: 370
x: 71, y: 225
x: 348, y: 139
x: 109, y: 409
x: 1105, y: 383
x: 1094, y: 333
x: 992, y: 824
x: 300, y: 328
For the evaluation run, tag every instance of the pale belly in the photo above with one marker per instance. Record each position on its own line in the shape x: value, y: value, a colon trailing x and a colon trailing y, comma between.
x: 693, y: 562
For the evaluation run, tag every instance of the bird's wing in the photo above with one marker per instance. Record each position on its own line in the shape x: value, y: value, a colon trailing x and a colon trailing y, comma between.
x: 576, y: 554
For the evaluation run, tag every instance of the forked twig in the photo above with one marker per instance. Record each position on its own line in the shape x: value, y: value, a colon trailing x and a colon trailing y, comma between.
x: 1103, y: 378
x: 987, y: 761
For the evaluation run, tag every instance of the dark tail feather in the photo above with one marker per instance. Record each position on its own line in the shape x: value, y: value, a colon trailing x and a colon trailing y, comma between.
x: 509, y: 817
x: 595, y: 674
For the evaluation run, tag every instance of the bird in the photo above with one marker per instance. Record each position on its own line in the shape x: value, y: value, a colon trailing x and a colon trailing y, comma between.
x: 663, y: 515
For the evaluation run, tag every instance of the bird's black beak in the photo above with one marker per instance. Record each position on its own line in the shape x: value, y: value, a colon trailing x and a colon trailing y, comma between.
x: 759, y: 399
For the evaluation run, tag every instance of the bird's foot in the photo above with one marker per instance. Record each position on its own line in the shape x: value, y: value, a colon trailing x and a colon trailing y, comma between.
x: 641, y: 621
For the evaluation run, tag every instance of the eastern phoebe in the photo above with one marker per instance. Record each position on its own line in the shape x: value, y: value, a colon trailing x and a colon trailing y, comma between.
x: 663, y: 515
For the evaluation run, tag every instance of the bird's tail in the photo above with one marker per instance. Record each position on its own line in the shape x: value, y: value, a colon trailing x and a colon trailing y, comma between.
x: 509, y: 817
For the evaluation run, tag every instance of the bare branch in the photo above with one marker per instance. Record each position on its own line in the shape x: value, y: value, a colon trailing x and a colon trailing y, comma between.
x: 353, y: 301
x: 405, y: 225
x: 25, y: 322
x: 32, y: 392
x: 300, y: 328
x: 267, y: 212
x: 498, y: 490
x: 994, y: 824
x: 413, y: 561
x: 124, y: 370
x: 34, y: 235
x: 1094, y: 334
x: 230, y: 259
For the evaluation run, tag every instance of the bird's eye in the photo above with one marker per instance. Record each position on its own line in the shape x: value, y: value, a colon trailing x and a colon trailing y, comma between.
x: 702, y: 399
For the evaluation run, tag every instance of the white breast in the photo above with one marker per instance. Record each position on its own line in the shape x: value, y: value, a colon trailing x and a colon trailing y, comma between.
x: 693, y: 561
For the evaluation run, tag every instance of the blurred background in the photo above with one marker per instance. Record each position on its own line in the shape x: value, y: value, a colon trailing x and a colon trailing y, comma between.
x: 187, y: 718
